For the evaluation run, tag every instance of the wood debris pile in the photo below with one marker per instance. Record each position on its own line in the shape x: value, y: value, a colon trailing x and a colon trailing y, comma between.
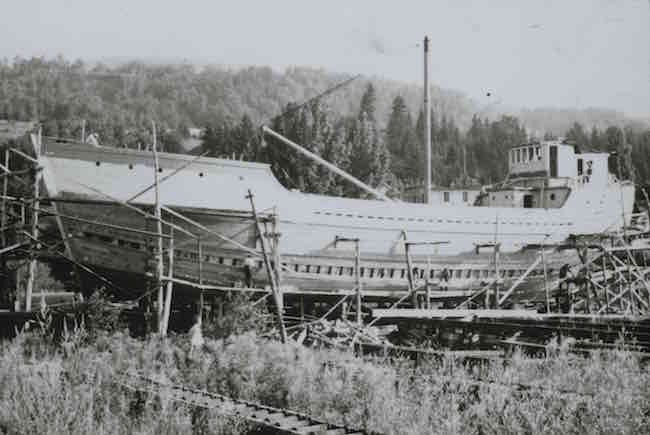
x: 343, y: 333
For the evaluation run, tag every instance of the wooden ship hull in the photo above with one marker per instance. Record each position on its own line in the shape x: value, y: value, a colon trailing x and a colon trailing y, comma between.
x: 89, y: 186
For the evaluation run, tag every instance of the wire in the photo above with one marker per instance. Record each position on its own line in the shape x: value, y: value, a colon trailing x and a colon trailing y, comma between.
x: 309, y: 101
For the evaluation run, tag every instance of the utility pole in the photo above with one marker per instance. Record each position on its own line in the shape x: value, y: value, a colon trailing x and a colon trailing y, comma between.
x: 427, y: 124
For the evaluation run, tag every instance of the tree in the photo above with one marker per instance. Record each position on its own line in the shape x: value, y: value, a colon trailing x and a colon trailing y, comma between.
x: 577, y: 136
x: 368, y: 106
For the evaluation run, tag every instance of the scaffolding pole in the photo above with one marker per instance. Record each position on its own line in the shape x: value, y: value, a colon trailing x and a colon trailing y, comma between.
x: 31, y: 272
x: 159, y: 239
x: 170, y: 285
x: 269, y: 270
x: 357, y: 272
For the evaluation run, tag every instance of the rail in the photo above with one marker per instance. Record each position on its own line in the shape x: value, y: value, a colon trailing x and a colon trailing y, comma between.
x: 281, y: 420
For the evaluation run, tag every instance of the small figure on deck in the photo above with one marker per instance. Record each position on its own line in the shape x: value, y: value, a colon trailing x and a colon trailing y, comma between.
x: 249, y: 268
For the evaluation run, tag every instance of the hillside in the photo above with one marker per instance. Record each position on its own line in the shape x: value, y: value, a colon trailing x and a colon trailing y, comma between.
x: 372, y: 127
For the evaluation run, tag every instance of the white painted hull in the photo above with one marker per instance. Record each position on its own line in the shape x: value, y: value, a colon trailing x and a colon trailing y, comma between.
x: 310, y: 223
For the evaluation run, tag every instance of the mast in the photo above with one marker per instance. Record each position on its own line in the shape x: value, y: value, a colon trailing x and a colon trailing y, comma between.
x: 427, y: 124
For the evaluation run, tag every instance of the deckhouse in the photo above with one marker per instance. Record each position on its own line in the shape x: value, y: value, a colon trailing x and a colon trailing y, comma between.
x: 544, y: 174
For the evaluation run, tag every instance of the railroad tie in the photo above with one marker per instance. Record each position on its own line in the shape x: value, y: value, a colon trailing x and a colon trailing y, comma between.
x: 283, y: 420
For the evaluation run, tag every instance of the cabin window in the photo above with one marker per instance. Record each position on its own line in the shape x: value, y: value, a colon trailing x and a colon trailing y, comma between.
x: 552, y: 196
x: 372, y: 273
x: 329, y: 270
x: 317, y: 269
x: 381, y: 273
x: 341, y: 270
x: 538, y: 152
x: 580, y: 167
x: 512, y: 156
x: 518, y: 155
x: 391, y: 274
x: 459, y: 273
x: 465, y: 197
x: 362, y: 270
x: 403, y: 272
x: 530, y: 153
x: 307, y: 268
x: 445, y: 196
x: 485, y: 273
x: 468, y: 273
x: 476, y: 273
x: 432, y: 274
x: 350, y: 271
x: 296, y: 268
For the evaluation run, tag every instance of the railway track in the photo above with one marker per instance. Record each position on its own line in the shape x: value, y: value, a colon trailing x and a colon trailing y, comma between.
x: 277, y: 419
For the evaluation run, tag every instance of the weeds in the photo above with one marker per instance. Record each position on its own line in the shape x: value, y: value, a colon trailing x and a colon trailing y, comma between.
x: 68, y: 387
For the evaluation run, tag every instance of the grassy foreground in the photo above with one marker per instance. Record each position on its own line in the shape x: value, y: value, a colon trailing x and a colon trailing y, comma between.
x: 67, y: 388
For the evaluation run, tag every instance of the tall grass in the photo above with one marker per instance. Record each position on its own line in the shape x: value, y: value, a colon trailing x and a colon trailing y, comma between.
x: 69, y: 387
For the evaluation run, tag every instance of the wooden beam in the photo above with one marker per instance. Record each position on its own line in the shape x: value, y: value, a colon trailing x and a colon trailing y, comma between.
x: 3, y: 222
x: 159, y: 240
x: 170, y: 284
x: 514, y: 286
x: 276, y: 292
x: 31, y: 271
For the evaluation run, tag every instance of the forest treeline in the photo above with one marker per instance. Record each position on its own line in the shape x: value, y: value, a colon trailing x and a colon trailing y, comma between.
x: 373, y: 128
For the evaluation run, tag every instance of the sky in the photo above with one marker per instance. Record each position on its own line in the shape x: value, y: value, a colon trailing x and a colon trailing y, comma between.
x: 525, y: 53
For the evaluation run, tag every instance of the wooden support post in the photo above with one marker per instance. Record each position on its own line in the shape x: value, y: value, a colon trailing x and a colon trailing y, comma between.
x: 199, y: 249
x: 587, y: 289
x: 428, y: 284
x: 159, y: 247
x: 496, y: 258
x: 605, y: 284
x: 629, y: 279
x: 409, y: 273
x: 31, y: 276
x: 497, y: 249
x: 4, y: 198
x: 301, y: 308
x: 271, y: 276
x: 219, y: 308
x: 3, y: 223
x: 275, y: 236
x: 357, y: 272
x: 546, y: 292
x: 357, y: 279
x: 170, y: 284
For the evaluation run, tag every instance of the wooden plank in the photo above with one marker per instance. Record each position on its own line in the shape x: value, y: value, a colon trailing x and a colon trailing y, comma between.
x: 414, y: 313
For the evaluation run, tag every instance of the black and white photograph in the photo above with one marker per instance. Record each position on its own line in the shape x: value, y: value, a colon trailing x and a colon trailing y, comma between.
x: 328, y: 218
